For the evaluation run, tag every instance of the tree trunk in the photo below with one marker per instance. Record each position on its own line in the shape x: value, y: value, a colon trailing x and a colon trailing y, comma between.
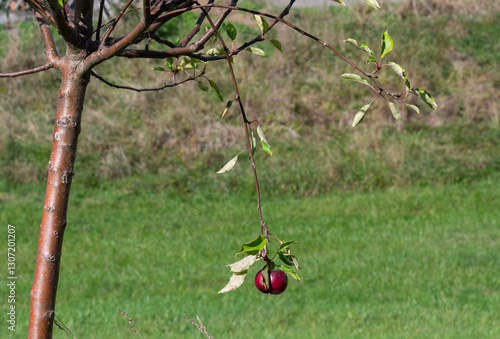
x: 60, y: 172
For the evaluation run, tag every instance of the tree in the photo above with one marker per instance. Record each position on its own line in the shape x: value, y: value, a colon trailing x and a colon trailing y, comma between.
x: 86, y: 47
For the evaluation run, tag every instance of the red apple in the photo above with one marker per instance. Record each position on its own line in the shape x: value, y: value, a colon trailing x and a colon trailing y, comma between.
x: 260, y: 282
x: 276, y: 279
x: 279, y: 282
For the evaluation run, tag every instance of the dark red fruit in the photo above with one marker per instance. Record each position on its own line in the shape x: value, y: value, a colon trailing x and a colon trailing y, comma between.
x: 260, y: 282
x: 277, y: 281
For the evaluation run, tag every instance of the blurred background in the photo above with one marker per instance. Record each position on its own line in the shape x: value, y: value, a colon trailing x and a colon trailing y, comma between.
x: 397, y: 220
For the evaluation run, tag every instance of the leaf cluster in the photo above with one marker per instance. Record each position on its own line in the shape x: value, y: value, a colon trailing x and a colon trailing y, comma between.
x: 386, y: 46
x: 256, y: 250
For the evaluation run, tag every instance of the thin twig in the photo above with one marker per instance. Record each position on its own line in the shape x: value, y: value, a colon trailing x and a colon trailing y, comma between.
x: 26, y: 72
x: 58, y: 322
x: 115, y: 22
x: 200, y: 327
x: 130, y: 322
x: 196, y: 28
x: 264, y: 229
x: 148, y: 89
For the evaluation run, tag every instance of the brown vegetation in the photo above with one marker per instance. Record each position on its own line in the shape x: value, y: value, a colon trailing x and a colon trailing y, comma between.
x: 297, y: 95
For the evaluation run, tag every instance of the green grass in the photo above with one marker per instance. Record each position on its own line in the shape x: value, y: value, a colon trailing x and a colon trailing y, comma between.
x: 415, y: 262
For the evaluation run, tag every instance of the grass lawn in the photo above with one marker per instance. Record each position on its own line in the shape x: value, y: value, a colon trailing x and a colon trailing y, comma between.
x: 414, y: 262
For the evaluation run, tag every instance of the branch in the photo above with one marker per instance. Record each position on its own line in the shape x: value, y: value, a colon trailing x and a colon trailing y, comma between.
x: 50, y: 46
x: 40, y: 8
x: 149, y: 15
x: 213, y: 27
x: 99, y: 20
x: 260, y: 37
x: 69, y: 35
x: 26, y: 72
x: 196, y: 27
x: 131, y: 53
x: 146, y: 10
x: 113, y: 25
x: 162, y: 41
x: 84, y: 12
x: 161, y: 19
x: 182, y: 48
x: 295, y: 28
x: 150, y: 89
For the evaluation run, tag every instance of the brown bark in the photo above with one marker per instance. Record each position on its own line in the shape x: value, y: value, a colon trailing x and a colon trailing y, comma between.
x: 60, y: 172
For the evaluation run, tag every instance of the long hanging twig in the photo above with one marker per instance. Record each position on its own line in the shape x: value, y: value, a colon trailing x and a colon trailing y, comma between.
x: 246, y: 122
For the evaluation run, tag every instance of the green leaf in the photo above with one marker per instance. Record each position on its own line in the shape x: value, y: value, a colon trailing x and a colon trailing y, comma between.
x: 276, y: 44
x: 158, y: 68
x: 425, y: 97
x: 289, y: 270
x: 351, y: 41
x: 202, y: 86
x: 61, y: 3
x: 372, y: 3
x: 365, y: 48
x: 289, y: 260
x: 407, y: 84
x: 243, y: 265
x: 263, y: 25
x: 354, y: 77
x: 253, y: 142
x: 217, y: 50
x: 257, y: 51
x: 398, y: 69
x: 231, y: 31
x: 228, y: 166
x: 370, y: 59
x: 387, y: 44
x: 216, y: 89
x: 253, y: 247
x: 189, y: 63
x: 358, y: 118
x: 285, y: 258
x: 170, y: 63
x: 236, y: 280
x: 286, y: 244
x: 415, y: 108
x: 394, y: 111
x: 263, y: 141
